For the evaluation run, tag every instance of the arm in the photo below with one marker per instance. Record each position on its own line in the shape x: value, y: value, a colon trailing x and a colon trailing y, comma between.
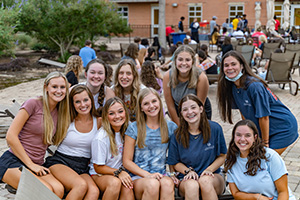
x: 16, y: 146
x: 169, y: 99
x: 214, y: 166
x: 202, y: 87
x: 180, y: 167
x: 238, y: 195
x: 109, y: 93
x: 264, y: 127
x: 99, y: 122
x: 282, y: 187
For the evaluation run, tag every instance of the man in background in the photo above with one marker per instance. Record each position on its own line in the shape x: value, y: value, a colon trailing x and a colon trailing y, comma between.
x: 87, y: 53
x: 180, y: 24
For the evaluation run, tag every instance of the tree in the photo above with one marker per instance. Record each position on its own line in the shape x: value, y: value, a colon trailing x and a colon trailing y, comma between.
x: 60, y: 23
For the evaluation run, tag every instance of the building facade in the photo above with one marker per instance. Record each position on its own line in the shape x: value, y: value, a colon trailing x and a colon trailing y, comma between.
x: 143, y: 15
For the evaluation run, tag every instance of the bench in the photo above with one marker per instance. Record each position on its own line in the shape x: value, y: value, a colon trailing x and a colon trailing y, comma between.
x: 51, y: 63
x: 212, y: 78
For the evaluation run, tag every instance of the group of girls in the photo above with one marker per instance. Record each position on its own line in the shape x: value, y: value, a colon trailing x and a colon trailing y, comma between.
x: 103, y: 150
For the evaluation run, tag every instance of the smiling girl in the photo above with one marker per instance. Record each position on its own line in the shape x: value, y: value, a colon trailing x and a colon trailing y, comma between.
x: 107, y: 149
x: 127, y: 85
x: 197, y: 150
x: 184, y: 78
x: 39, y: 123
x: 145, y: 148
x: 254, y: 171
x: 69, y: 164
x: 239, y: 88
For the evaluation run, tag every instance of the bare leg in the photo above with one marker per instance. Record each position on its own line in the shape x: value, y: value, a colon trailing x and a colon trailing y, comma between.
x: 93, y: 191
x: 166, y: 188
x: 211, y: 187
x: 72, y: 181
x: 280, y: 151
x: 189, y: 189
x: 126, y: 193
x: 109, y: 185
x: 146, y: 188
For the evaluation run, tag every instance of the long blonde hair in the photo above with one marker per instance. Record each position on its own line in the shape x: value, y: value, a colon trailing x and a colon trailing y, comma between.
x: 194, y: 73
x: 119, y: 90
x: 63, y: 119
x: 74, y: 64
x: 142, y: 118
x: 107, y: 126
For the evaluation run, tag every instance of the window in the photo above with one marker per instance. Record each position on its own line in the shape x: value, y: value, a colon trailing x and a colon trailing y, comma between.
x: 235, y: 10
x: 123, y: 11
x: 195, y: 11
x: 279, y: 12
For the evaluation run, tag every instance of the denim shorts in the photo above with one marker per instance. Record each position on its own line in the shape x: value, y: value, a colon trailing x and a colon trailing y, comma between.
x: 79, y: 164
x: 8, y: 160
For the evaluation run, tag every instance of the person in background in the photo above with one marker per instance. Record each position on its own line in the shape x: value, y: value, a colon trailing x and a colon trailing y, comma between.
x: 138, y: 41
x: 207, y: 64
x: 254, y: 171
x: 240, y: 24
x: 195, y: 30
x: 245, y: 22
x: 226, y: 46
x: 277, y: 23
x: 132, y: 53
x: 180, y: 24
x: 214, y: 35
x: 40, y: 122
x: 169, y: 30
x: 145, y: 42
x: 235, y: 22
x: 87, y: 53
x: 212, y: 24
x: 151, y: 76
x: 73, y: 69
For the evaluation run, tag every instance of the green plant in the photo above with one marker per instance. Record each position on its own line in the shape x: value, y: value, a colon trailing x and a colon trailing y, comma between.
x: 23, y: 40
x: 64, y: 57
x: 103, y: 46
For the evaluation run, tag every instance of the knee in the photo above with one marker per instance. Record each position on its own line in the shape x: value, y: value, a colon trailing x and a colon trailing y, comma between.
x: 206, y: 182
x: 167, y: 185
x: 81, y: 185
x: 114, y: 183
x: 191, y: 187
x: 94, y: 191
x: 152, y: 186
x: 59, y: 190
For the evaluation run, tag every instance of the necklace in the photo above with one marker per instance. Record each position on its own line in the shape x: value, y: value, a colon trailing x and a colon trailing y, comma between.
x: 196, y: 136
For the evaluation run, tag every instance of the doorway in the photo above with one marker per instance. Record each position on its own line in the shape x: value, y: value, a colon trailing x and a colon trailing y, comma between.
x: 154, y: 21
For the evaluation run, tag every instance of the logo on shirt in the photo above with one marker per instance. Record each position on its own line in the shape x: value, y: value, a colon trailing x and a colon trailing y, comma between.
x: 209, y: 146
x: 246, y: 103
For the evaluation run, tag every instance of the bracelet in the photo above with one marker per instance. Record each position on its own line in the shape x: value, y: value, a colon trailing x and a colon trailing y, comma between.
x: 188, y: 170
x: 170, y: 174
x: 117, y: 172
x: 258, y: 197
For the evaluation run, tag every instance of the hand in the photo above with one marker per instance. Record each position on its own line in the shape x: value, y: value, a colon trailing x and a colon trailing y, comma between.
x: 207, y: 173
x: 126, y: 179
x: 39, y: 170
x: 176, y: 181
x: 191, y: 175
x: 262, y: 197
x: 157, y: 176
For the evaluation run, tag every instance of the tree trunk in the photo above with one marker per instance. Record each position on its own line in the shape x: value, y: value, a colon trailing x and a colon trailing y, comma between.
x: 162, y: 24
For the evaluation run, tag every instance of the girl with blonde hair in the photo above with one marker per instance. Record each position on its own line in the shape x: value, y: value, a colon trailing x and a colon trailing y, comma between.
x: 184, y: 78
x: 127, y: 85
x: 145, y: 147
x: 39, y: 123
x: 107, y: 149
x: 73, y: 69
x: 70, y: 162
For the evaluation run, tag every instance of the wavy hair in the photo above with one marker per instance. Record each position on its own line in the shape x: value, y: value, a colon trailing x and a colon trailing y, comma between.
x: 141, y: 123
x: 132, y: 50
x: 194, y: 72
x: 256, y: 154
x: 101, y: 95
x: 135, y: 89
x: 148, y: 75
x: 107, y: 126
x: 74, y: 64
x: 182, y: 132
x: 224, y: 93
x: 77, y: 89
x: 63, y: 119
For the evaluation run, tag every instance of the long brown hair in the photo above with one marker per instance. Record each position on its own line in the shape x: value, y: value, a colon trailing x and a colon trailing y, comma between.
x: 182, y: 132
x: 256, y: 154
x: 148, y: 75
x: 224, y: 93
x: 77, y: 89
x: 141, y: 123
x: 107, y: 126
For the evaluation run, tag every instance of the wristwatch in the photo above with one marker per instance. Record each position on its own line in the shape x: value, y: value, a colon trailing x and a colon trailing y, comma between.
x: 188, y: 170
x: 117, y: 172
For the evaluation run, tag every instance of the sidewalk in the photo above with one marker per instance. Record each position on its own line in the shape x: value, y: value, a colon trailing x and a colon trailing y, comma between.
x: 291, y: 156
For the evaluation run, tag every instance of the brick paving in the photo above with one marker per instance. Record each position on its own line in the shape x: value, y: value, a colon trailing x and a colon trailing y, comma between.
x: 291, y: 156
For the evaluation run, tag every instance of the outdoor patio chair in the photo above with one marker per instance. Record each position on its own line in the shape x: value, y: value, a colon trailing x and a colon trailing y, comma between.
x: 123, y: 48
x: 220, y: 42
x: 247, y: 52
x: 31, y: 188
x: 268, y: 48
x: 279, y: 70
x: 210, y: 44
x: 234, y: 42
x: 294, y: 48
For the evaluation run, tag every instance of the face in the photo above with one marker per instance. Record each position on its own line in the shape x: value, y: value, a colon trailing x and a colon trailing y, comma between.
x: 232, y: 67
x: 150, y: 105
x: 116, y: 116
x: 56, y: 89
x: 125, y: 77
x: 82, y: 103
x: 184, y: 62
x: 244, y: 139
x: 191, y: 112
x: 95, y: 75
